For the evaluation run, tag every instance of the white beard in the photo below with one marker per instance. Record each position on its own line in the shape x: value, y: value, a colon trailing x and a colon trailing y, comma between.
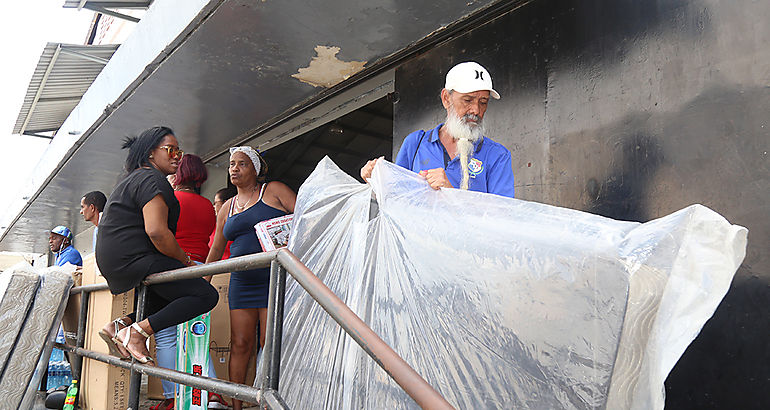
x: 458, y: 127
x: 466, y: 134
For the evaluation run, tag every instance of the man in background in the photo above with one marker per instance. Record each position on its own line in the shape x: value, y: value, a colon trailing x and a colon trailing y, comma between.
x: 60, y: 242
x: 91, y: 207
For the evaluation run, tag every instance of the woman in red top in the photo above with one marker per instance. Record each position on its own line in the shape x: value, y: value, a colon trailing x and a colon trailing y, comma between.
x: 197, y: 221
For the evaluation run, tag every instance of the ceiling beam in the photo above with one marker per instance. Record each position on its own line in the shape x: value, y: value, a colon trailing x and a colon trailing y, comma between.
x: 60, y: 99
x: 112, y: 13
x: 32, y: 134
x: 361, y: 131
x: 376, y: 113
x: 84, y: 56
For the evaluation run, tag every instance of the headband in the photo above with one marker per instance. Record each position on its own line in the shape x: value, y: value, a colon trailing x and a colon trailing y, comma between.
x: 252, y: 154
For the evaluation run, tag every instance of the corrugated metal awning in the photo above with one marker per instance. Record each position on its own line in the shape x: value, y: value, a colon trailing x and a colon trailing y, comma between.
x: 109, y: 8
x: 62, y: 76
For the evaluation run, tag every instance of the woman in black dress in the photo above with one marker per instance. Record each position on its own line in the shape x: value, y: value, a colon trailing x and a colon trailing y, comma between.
x: 136, y: 239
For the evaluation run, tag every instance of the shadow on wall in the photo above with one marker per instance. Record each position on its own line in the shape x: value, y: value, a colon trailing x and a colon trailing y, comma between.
x: 713, y: 152
x: 624, y: 193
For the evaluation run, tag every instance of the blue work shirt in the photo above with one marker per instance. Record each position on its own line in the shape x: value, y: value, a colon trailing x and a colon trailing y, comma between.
x: 489, y: 166
x: 69, y: 255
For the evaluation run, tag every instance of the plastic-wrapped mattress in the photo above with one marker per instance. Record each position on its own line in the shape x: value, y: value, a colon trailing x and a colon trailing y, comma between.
x: 496, y: 302
x: 30, y: 313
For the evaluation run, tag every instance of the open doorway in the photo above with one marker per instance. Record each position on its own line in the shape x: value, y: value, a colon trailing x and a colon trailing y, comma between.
x: 349, y: 141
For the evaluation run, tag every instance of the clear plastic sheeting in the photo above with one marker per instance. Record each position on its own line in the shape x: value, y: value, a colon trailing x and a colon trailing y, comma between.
x: 496, y: 302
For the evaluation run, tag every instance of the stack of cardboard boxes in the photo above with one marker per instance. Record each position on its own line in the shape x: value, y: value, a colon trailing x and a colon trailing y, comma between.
x: 107, y: 387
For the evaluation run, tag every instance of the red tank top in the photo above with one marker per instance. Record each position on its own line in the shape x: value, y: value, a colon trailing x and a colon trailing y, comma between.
x: 196, y: 223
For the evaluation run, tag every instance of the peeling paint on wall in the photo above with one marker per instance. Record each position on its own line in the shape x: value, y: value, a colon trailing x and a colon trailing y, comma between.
x: 326, y: 69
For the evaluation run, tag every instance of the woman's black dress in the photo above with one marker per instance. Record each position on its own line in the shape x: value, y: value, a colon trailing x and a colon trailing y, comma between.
x: 124, y: 253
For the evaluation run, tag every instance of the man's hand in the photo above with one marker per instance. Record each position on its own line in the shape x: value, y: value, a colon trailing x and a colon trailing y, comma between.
x: 366, y: 171
x: 436, y: 178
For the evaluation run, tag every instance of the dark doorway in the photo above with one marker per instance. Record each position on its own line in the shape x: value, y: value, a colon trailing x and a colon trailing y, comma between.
x: 349, y: 141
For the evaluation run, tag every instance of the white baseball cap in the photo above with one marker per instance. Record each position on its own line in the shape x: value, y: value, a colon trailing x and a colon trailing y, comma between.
x: 470, y: 77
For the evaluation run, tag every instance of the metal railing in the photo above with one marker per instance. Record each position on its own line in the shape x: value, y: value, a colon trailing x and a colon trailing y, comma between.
x: 266, y: 395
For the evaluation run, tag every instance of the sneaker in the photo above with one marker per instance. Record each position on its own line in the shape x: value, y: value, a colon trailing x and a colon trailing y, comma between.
x: 217, y: 402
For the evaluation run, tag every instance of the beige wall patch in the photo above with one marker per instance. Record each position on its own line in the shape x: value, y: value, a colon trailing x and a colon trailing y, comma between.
x: 326, y: 69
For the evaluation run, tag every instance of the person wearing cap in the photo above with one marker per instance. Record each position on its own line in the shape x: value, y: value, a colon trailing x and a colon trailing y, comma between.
x: 60, y: 241
x: 456, y: 154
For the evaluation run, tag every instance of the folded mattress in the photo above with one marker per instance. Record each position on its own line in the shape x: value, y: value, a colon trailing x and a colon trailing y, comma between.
x: 20, y: 289
x: 496, y: 302
x: 26, y: 356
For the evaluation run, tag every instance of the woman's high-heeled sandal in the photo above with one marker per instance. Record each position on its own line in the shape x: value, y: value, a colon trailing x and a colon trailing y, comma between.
x: 141, y: 358
x: 113, y: 344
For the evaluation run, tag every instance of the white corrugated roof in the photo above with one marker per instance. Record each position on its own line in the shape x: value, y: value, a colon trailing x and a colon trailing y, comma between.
x: 114, y: 4
x: 62, y: 76
x: 110, y: 8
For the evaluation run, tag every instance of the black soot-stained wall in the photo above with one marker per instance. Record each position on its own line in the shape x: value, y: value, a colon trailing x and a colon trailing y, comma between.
x: 634, y: 109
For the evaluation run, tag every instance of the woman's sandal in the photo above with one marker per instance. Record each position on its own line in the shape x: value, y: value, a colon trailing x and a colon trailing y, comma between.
x: 217, y: 402
x: 140, y: 357
x: 115, y: 346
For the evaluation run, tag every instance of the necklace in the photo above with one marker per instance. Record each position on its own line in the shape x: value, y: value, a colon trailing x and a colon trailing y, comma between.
x: 240, y: 207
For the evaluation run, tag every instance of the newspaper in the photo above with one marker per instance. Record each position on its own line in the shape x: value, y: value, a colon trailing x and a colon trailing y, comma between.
x: 274, y: 233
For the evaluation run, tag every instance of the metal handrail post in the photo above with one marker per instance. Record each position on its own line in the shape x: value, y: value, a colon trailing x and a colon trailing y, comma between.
x: 77, y: 361
x: 393, y: 364
x: 275, y: 360
x: 272, y: 400
x: 267, y: 351
x: 135, y: 380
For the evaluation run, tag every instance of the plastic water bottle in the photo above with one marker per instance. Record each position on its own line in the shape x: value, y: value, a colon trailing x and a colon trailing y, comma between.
x: 60, y: 336
x: 53, y: 375
x: 72, y: 394
x: 56, y: 356
x: 59, y: 366
x: 66, y: 374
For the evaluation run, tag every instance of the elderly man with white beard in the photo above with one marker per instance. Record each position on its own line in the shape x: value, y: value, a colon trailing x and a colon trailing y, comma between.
x: 456, y: 154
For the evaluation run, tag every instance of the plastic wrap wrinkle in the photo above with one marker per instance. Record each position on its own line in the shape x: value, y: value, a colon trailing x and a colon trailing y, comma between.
x: 496, y: 302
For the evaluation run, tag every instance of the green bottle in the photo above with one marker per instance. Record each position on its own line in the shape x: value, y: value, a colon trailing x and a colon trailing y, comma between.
x: 72, y: 394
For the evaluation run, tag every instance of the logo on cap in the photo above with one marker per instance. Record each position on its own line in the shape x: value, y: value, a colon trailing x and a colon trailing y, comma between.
x: 469, y: 77
x: 63, y: 231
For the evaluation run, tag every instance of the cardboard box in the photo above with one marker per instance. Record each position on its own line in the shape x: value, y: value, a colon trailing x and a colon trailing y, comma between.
x: 72, y: 311
x: 104, y: 387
